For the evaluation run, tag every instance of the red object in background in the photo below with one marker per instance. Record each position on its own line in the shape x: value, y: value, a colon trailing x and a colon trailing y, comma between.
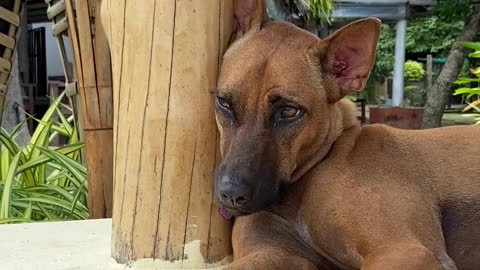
x: 404, y: 118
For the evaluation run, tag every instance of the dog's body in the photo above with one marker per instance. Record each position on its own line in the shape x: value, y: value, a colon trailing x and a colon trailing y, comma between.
x: 335, y: 195
x: 380, y: 192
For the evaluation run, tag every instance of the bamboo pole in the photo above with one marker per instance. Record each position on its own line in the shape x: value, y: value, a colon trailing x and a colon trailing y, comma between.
x: 165, y: 57
x: 93, y: 75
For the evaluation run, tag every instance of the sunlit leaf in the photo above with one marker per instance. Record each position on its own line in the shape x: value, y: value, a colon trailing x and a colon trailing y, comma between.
x: 472, y: 45
x: 7, y: 188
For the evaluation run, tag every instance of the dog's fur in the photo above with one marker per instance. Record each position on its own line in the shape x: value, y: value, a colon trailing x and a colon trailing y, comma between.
x: 314, y: 190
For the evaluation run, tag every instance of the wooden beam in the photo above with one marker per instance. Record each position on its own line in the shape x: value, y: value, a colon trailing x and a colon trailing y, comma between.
x: 7, y: 41
x: 5, y: 66
x: 165, y: 57
x: 9, y: 16
x: 56, y: 9
x: 60, y: 26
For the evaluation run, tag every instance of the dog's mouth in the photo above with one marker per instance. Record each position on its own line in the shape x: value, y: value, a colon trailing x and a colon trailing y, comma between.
x: 229, y: 213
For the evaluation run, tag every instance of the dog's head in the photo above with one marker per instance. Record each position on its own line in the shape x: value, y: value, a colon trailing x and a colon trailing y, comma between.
x: 278, y: 98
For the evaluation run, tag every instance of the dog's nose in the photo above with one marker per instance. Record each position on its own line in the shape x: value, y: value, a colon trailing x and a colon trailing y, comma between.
x: 234, y: 193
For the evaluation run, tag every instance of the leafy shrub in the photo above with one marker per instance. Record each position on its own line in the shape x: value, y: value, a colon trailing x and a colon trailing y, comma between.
x: 432, y: 34
x: 410, y: 89
x: 415, y: 96
x: 468, y: 90
x: 413, y: 71
x: 40, y: 182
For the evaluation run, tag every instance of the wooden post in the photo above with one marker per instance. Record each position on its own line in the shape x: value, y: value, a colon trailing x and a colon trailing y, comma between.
x: 93, y: 75
x: 165, y: 57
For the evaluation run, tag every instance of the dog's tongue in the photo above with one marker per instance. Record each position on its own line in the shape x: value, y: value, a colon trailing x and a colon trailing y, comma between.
x: 225, y: 214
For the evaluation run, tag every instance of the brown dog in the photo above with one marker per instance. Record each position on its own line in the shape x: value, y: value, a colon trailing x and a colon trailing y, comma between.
x: 313, y: 189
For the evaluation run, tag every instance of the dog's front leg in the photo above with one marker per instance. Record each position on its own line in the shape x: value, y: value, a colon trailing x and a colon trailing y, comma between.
x: 265, y: 241
x: 407, y: 256
x: 271, y: 258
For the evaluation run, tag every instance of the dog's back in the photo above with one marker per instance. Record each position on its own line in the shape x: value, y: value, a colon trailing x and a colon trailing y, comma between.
x: 453, y: 168
x: 443, y: 162
x: 445, y: 158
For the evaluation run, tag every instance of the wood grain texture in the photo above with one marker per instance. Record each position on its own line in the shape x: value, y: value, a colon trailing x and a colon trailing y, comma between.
x: 165, y: 57
x: 54, y: 10
x: 9, y: 16
x: 7, y: 41
x: 217, y: 243
x: 94, y: 78
x: 73, y: 34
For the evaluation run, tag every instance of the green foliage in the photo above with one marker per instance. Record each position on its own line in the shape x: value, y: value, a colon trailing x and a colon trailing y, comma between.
x: 432, y: 35
x: 413, y: 71
x: 409, y: 92
x: 471, y: 93
x: 452, y: 10
x: 40, y: 182
x: 320, y: 9
x: 409, y: 89
x: 415, y: 96
x: 385, y: 52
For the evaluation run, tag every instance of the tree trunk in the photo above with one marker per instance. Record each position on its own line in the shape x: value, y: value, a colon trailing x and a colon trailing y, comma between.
x: 437, y: 96
x: 13, y: 112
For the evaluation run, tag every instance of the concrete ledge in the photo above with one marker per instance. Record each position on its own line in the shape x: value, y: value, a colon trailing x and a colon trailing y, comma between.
x: 77, y: 245
x: 57, y: 246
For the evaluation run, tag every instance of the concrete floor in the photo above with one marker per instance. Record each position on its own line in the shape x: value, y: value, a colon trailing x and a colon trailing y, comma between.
x: 57, y: 246
x: 78, y: 245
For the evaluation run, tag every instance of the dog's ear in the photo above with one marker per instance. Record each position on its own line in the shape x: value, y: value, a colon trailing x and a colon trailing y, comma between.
x: 347, y: 57
x: 249, y: 16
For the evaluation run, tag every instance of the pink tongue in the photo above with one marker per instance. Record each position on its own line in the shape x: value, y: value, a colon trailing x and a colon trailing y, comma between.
x: 224, y: 213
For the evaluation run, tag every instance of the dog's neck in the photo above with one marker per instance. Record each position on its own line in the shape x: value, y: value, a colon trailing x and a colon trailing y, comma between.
x: 342, y: 119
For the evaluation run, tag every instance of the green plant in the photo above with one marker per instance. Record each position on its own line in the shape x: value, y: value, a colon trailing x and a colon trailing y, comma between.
x: 409, y: 89
x: 432, y: 35
x: 414, y: 95
x: 383, y: 66
x: 467, y: 89
x: 41, y: 182
x: 320, y: 9
x: 413, y: 71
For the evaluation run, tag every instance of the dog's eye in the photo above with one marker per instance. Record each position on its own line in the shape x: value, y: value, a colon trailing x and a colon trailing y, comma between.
x: 289, y: 112
x: 222, y: 102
